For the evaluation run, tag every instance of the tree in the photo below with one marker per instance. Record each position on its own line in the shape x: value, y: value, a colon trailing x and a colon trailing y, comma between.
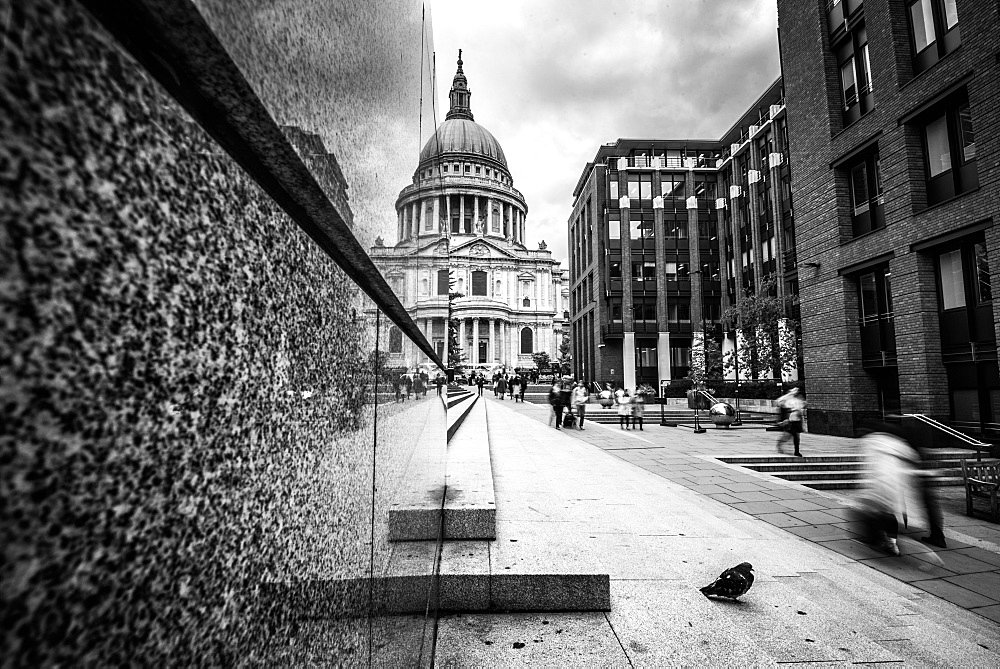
x: 542, y: 360
x: 565, y: 360
x: 456, y: 352
x: 706, y: 361
x: 762, y: 346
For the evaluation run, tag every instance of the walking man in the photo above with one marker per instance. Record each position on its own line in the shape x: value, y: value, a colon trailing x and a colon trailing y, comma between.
x: 580, y: 398
x: 794, y: 404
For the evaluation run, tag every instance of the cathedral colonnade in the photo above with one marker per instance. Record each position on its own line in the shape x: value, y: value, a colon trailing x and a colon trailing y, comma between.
x: 501, y: 341
x: 463, y: 213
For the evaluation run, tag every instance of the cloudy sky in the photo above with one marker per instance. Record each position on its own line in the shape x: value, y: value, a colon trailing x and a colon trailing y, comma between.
x: 555, y: 79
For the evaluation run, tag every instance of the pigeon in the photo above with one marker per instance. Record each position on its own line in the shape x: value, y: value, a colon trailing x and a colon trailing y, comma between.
x: 731, y: 583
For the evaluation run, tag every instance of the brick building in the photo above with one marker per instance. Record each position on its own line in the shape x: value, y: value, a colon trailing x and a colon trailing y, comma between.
x: 892, y: 112
x: 666, y: 234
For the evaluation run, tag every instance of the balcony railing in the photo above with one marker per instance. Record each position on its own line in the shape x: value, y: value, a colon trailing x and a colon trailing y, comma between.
x: 462, y: 180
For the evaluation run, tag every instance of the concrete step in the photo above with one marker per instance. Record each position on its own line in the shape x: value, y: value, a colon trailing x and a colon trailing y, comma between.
x: 762, y: 459
x: 782, y: 467
x: 470, y: 503
x: 826, y: 475
x: 415, y: 511
x: 457, y: 413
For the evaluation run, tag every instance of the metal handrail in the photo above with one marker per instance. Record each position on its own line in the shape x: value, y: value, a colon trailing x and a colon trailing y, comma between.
x: 950, y: 431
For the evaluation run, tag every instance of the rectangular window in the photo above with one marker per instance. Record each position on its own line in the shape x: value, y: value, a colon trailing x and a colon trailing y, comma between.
x: 479, y: 283
x: 859, y: 188
x: 614, y: 229
x: 443, y: 281
x: 645, y: 187
x: 952, y: 286
x: 848, y: 83
x: 613, y: 187
x: 649, y: 271
x: 922, y: 24
x: 938, y: 149
x: 616, y: 310
x: 949, y: 150
x: 983, y: 284
x: 615, y: 269
x: 671, y: 270
x: 633, y: 189
x: 635, y: 229
x: 934, y: 31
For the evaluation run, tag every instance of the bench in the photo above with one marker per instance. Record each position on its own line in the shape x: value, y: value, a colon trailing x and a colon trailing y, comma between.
x: 982, y: 481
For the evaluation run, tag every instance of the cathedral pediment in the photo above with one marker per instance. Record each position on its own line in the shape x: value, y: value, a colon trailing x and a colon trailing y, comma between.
x: 480, y: 248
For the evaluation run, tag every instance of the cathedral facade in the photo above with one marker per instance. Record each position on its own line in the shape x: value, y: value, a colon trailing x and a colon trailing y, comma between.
x: 461, y: 226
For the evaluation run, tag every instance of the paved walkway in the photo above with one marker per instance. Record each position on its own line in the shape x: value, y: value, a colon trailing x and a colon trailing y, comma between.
x: 659, y: 540
x: 967, y: 573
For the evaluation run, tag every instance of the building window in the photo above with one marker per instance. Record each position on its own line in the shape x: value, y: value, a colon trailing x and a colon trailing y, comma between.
x: 983, y: 284
x: 443, y: 281
x: 934, y: 31
x: 878, y: 334
x: 616, y: 310
x: 527, y: 341
x: 613, y: 187
x: 952, y: 284
x: 867, y: 200
x: 395, y: 340
x: 644, y: 310
x: 478, y: 169
x: 644, y: 271
x: 479, y: 283
x: 615, y: 270
x: 679, y: 311
x: 950, y: 151
x: 633, y: 190
x: 855, y: 76
x: 526, y: 302
x: 614, y: 229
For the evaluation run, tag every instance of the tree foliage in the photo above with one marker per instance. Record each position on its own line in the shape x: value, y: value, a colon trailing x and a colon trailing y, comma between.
x: 565, y: 360
x: 542, y: 360
x: 763, y: 348
x: 456, y: 351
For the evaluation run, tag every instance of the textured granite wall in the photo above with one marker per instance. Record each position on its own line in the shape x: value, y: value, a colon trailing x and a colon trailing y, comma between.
x: 186, y: 380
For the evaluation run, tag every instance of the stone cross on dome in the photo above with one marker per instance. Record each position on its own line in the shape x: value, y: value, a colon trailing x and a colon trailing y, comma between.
x: 459, y: 95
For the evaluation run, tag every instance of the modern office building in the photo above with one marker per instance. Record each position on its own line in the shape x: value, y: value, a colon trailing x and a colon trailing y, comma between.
x: 462, y: 219
x: 666, y: 234
x: 892, y: 114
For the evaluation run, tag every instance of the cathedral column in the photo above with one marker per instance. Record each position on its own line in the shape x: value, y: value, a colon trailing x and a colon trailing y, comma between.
x: 461, y: 214
x: 399, y: 226
x: 416, y: 217
x: 475, y: 341
x: 461, y: 339
x: 437, y: 214
x: 490, y: 340
x: 475, y: 212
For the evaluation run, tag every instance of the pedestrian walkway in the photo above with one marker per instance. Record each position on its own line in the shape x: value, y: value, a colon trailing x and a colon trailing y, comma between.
x: 967, y: 573
x: 632, y: 505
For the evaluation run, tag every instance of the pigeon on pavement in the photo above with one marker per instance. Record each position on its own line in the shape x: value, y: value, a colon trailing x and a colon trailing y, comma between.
x: 731, y: 583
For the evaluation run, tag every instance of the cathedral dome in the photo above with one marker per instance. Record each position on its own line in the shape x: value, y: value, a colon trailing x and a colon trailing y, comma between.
x: 462, y: 135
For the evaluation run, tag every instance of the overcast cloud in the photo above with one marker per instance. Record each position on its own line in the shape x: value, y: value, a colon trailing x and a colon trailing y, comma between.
x: 555, y: 79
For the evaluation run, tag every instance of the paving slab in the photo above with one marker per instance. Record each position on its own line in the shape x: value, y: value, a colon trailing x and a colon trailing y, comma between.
x: 655, y: 535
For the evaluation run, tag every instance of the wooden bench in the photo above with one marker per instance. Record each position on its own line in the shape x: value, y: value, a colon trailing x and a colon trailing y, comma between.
x: 982, y: 481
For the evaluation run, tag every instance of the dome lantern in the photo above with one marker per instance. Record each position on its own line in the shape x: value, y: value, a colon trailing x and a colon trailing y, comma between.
x: 460, y: 95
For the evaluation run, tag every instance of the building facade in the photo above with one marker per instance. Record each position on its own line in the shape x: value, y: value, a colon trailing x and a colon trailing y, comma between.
x: 893, y: 117
x: 462, y: 227
x: 665, y: 235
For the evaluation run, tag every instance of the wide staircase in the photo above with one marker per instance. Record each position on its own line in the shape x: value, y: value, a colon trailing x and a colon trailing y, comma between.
x: 836, y: 471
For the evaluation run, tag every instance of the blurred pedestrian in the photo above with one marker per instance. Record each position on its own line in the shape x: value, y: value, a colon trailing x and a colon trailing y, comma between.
x: 555, y: 401
x: 794, y: 405
x: 624, y: 403
x: 580, y: 398
x: 510, y: 385
x: 439, y: 382
x: 638, y: 407
x: 893, y: 465
x: 419, y: 389
x: 480, y: 382
x: 501, y: 387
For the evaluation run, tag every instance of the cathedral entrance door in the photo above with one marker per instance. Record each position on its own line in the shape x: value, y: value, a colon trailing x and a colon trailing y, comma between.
x: 482, y: 352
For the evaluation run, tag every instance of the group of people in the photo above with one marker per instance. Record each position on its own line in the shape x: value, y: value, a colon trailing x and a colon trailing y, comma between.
x: 417, y: 384
x: 630, y: 407
x: 571, y: 398
x: 503, y: 384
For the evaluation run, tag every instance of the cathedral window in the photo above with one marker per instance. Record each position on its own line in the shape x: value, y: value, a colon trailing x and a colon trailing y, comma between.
x: 527, y: 341
x: 395, y: 340
x: 443, y: 281
x: 479, y: 283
